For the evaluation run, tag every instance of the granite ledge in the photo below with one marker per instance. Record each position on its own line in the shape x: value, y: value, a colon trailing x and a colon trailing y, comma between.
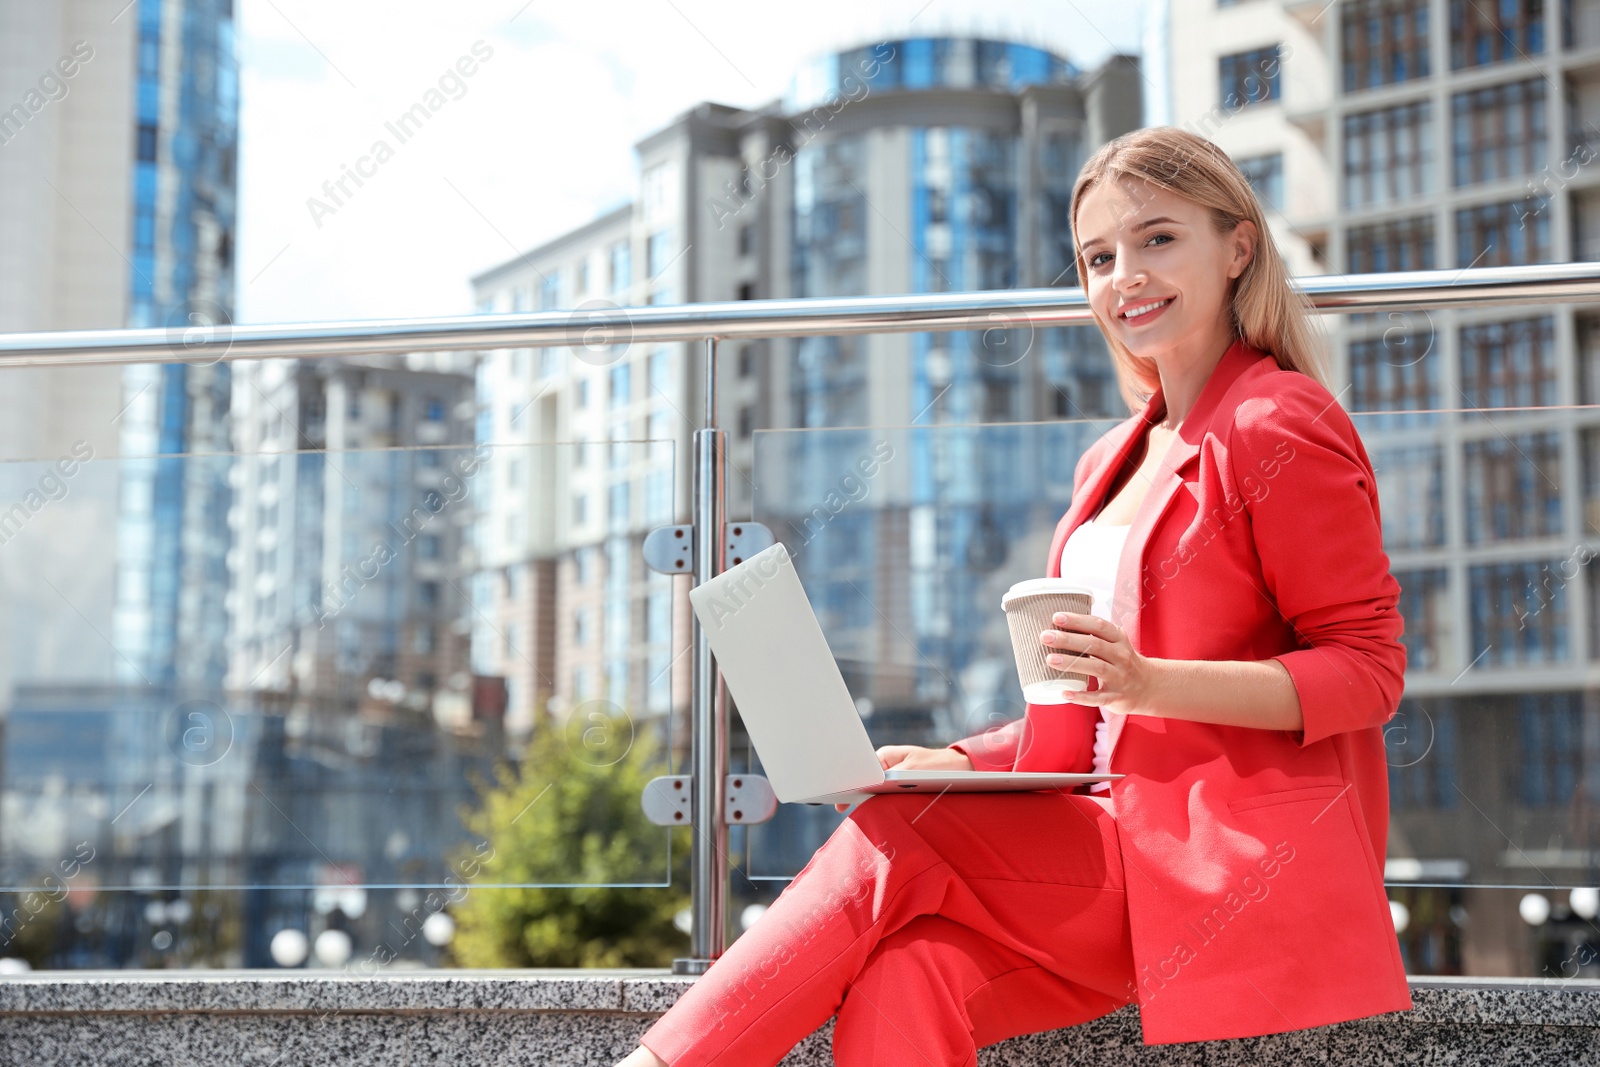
x: 1438, y: 1001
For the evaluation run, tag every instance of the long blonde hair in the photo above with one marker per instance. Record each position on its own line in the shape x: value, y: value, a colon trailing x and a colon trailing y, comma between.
x: 1267, y: 311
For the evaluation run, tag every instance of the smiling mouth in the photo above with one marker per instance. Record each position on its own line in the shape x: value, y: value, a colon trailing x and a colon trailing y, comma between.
x: 1144, y: 309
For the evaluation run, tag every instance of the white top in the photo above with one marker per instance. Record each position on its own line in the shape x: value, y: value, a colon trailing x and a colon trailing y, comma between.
x: 1090, y: 558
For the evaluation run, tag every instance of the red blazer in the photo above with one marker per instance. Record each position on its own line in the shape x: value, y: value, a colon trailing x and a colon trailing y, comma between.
x: 1254, y: 858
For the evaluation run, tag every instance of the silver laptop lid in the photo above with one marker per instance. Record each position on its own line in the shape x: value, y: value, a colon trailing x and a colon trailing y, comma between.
x: 792, y: 698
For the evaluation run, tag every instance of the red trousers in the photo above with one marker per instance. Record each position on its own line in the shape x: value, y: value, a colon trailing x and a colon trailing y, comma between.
x: 932, y: 925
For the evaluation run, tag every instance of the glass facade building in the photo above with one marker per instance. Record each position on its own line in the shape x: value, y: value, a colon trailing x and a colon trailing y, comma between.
x: 173, y: 538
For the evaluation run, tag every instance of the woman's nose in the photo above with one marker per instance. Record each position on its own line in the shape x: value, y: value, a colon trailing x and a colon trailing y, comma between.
x: 1125, y: 274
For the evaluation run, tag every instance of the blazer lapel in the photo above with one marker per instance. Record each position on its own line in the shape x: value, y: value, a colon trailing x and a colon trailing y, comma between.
x: 1121, y: 439
x: 1157, y: 499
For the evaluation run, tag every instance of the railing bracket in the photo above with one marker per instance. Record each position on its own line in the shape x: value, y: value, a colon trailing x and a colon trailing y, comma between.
x: 670, y: 549
x: 669, y: 800
x: 745, y: 539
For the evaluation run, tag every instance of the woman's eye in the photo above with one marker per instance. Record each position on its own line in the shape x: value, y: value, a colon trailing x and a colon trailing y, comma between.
x: 1094, y: 260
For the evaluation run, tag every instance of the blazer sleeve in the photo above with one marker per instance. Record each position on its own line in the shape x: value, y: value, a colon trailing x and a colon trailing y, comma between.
x: 993, y: 750
x: 997, y: 749
x: 1312, y: 500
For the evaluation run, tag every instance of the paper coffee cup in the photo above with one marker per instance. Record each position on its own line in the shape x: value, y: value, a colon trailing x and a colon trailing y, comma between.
x: 1030, y: 607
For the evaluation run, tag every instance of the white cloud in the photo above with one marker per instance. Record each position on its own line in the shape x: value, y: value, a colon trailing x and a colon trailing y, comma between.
x: 540, y: 141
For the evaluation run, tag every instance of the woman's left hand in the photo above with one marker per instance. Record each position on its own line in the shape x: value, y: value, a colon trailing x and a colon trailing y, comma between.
x: 1125, y: 681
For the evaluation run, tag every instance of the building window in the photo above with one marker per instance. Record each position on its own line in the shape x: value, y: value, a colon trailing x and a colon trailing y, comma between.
x: 1498, y: 132
x: 997, y: 395
x: 1518, y: 615
x: 1265, y: 175
x: 658, y: 253
x: 1589, y: 446
x: 1384, y: 42
x: 661, y: 370
x: 1552, y: 750
x: 1513, y: 488
x: 580, y: 626
x: 655, y: 191
x: 747, y: 239
x: 658, y: 496
x: 1411, y: 490
x: 746, y: 361
x: 1509, y: 364
x: 1425, y: 606
x: 1417, y: 780
x: 147, y: 143
x: 1388, y: 154
x: 1248, y: 77
x: 1512, y: 233
x: 747, y: 421
x: 580, y: 509
x: 1483, y: 32
x: 621, y: 384
x: 581, y: 389
x: 1394, y: 372
x: 658, y: 617
x: 621, y: 266
x: 550, y: 291
x: 1398, y: 244
x: 619, y: 506
x: 1588, y: 359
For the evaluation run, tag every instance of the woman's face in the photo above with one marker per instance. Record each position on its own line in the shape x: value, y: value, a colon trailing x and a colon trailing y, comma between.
x: 1148, y: 247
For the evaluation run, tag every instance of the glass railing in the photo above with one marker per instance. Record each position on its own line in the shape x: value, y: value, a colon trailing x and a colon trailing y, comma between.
x: 251, y: 699
x: 267, y: 704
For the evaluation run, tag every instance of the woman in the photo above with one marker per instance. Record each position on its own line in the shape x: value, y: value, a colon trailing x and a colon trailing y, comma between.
x: 1230, y: 882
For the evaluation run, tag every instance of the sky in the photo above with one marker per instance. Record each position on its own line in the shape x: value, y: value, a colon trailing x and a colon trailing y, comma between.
x: 537, y: 139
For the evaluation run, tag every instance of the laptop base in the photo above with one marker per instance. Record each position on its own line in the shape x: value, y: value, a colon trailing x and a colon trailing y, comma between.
x: 962, y: 782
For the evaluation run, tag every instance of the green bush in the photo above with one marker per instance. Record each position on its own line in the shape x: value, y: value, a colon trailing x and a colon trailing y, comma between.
x: 572, y: 815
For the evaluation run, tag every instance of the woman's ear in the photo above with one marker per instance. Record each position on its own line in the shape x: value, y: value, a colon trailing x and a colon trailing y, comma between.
x: 1244, y: 246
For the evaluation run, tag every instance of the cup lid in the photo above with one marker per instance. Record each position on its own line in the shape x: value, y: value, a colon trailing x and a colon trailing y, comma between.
x: 1037, y: 586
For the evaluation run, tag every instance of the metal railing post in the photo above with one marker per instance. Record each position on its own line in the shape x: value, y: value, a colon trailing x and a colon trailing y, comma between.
x: 708, y: 871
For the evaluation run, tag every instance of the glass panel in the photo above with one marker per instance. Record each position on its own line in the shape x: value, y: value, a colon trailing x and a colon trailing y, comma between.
x: 327, y: 691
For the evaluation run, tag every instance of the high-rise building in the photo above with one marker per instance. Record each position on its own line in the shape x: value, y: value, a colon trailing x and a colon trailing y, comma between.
x: 1390, y: 135
x: 911, y: 165
x: 67, y: 72
x: 118, y: 126
x: 169, y: 625
x: 355, y: 486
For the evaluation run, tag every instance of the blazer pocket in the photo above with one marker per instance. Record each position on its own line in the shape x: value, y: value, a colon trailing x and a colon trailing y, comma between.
x: 1287, y: 796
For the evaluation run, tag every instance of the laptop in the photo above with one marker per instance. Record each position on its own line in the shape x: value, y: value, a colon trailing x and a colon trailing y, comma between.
x: 795, y: 705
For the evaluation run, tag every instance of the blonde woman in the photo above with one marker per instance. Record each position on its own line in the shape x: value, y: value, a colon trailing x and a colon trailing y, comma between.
x: 1244, y: 651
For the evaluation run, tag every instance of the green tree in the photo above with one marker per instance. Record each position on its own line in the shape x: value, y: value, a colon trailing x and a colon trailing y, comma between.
x: 572, y: 815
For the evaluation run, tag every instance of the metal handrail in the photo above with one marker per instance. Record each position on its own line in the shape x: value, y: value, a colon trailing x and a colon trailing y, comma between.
x: 600, y: 323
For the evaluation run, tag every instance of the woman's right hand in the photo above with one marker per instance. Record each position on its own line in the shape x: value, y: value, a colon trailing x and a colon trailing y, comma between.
x: 917, y: 758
